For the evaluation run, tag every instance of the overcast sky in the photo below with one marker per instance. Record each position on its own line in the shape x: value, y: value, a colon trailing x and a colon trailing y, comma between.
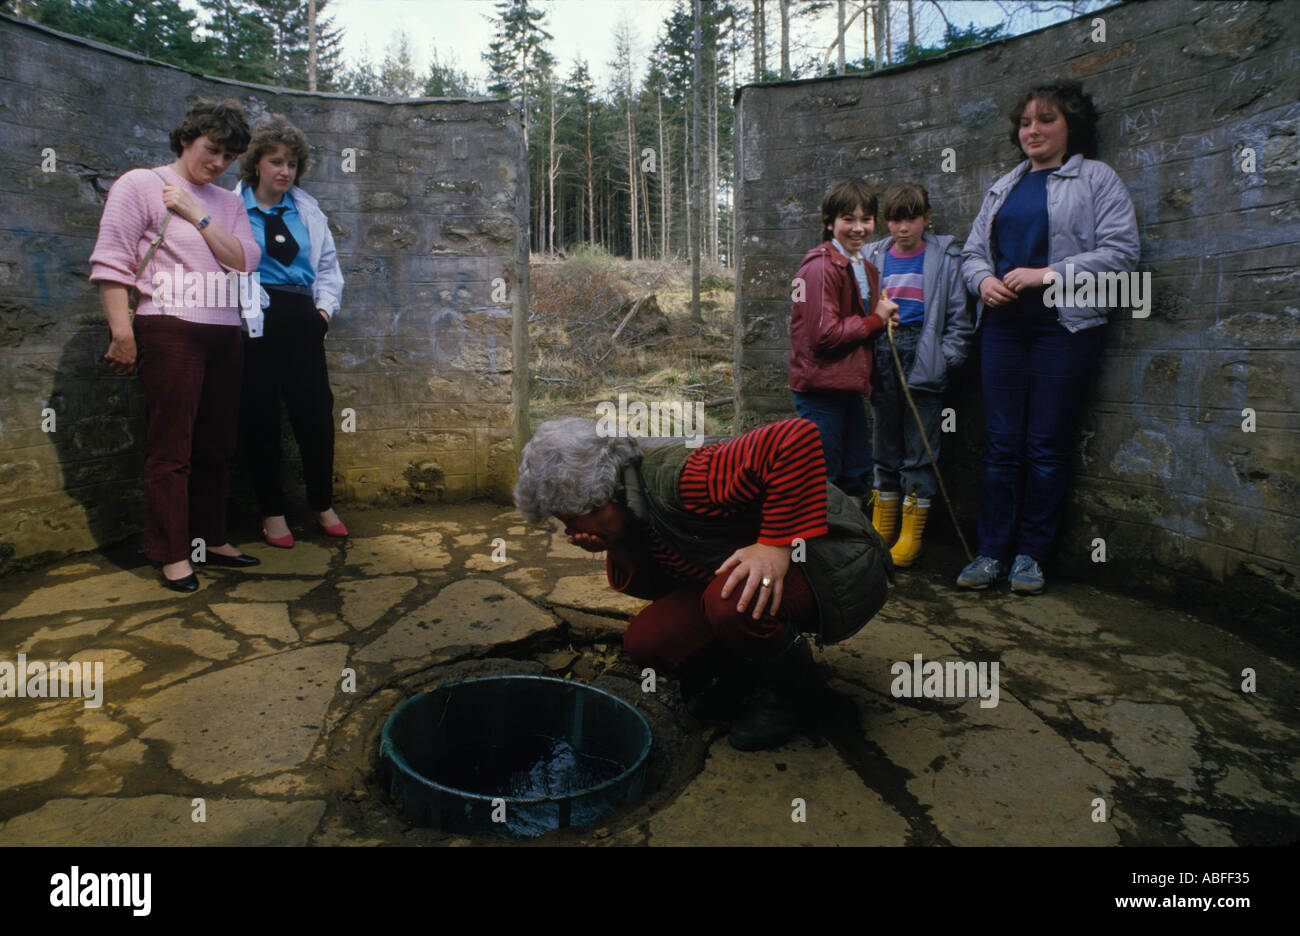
x: 459, y: 30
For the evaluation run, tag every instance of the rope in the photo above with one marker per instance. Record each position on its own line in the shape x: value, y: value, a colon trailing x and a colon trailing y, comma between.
x: 943, y: 488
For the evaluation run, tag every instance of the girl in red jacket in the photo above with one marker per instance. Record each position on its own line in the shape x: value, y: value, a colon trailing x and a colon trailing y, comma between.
x: 831, y: 334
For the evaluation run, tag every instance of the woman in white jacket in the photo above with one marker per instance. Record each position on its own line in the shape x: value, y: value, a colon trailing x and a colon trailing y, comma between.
x: 284, y: 353
x: 1056, y: 214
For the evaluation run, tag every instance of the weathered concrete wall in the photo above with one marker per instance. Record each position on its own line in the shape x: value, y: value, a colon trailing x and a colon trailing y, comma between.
x: 431, y: 229
x: 1164, y: 473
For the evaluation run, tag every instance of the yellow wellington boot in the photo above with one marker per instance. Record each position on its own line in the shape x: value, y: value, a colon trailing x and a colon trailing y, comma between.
x: 884, y: 514
x: 908, y: 547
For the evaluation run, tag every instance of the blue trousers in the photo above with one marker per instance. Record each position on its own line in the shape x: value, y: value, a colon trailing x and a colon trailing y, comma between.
x: 902, y: 463
x: 1035, y: 373
x: 841, y: 420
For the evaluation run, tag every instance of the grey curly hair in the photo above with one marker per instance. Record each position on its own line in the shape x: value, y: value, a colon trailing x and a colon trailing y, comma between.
x: 569, y: 469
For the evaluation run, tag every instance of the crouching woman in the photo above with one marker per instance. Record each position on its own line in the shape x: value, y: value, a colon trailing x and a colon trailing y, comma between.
x: 741, y: 547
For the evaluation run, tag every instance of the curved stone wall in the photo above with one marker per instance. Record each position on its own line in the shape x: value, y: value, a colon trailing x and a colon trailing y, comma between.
x: 428, y: 202
x: 1199, y: 116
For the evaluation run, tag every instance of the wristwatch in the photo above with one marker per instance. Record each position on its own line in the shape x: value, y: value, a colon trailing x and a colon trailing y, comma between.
x: 204, y: 222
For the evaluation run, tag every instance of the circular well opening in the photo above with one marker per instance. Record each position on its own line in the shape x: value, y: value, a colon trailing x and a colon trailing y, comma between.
x: 516, y: 756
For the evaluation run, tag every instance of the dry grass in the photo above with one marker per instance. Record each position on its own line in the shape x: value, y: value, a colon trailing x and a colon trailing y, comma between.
x: 577, y: 306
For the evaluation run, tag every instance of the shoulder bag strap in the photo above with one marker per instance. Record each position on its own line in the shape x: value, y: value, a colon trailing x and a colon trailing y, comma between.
x: 157, y: 241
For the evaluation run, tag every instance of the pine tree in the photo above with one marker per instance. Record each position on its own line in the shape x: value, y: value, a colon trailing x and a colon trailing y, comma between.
x: 159, y: 29
x: 445, y: 80
x: 517, y: 54
x: 244, y: 42
x: 397, y: 77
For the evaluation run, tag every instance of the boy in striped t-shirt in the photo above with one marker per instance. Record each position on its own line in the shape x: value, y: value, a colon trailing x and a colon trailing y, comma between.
x: 922, y: 274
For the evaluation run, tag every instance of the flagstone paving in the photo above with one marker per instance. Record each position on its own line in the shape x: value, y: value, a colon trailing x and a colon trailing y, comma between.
x: 249, y: 711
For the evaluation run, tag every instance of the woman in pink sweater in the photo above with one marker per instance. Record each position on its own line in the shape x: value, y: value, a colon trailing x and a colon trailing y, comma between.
x: 187, y: 326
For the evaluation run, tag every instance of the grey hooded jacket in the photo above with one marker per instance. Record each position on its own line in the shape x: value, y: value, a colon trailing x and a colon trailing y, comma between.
x: 949, y: 320
x: 1090, y: 221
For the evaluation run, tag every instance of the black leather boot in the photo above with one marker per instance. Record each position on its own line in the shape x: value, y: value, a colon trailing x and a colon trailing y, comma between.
x: 791, y: 690
x: 714, y: 684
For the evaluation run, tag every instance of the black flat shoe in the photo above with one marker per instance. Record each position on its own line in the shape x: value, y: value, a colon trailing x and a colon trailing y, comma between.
x: 243, y: 560
x: 185, y: 585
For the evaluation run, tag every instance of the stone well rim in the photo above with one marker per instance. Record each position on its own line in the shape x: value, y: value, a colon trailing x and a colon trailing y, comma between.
x: 389, y: 750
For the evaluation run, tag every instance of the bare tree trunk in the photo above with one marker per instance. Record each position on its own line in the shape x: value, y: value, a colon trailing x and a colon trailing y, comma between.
x: 839, y: 53
x: 696, y: 315
x: 877, y: 23
x: 552, y: 170
x: 866, y: 33
x: 713, y: 163
x: 665, y: 182
x: 311, y: 45
x: 758, y: 39
x: 631, y: 163
x: 591, y: 188
x: 885, y: 22
x: 647, y: 214
x: 911, y: 27
x: 686, y: 175
x: 785, y: 39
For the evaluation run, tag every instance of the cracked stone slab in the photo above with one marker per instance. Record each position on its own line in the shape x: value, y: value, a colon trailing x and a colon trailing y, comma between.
x: 89, y: 628
x: 586, y: 628
x: 128, y: 753
x: 26, y: 764
x: 306, y: 560
x: 1067, y: 678
x: 995, y: 776
x: 367, y: 600
x: 259, y: 620
x: 118, y: 665
x: 561, y: 548
x: 98, y: 728
x: 200, y: 641
x: 481, y: 562
x: 164, y: 820
x: 115, y: 590
x: 246, y: 720
x: 143, y: 617
x: 394, y: 553
x: 1156, y: 739
x: 186, y: 671
x: 532, y: 582
x: 468, y: 613
x: 281, y: 590
x: 867, y: 656
x: 746, y: 798
x: 76, y: 568
x: 1204, y: 831
x: 592, y: 593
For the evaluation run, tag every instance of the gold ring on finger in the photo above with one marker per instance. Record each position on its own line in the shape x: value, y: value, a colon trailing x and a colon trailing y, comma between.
x: 766, y: 583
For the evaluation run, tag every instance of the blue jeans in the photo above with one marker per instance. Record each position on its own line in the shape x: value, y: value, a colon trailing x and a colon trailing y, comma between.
x: 841, y: 421
x: 1035, y: 373
x: 902, y: 463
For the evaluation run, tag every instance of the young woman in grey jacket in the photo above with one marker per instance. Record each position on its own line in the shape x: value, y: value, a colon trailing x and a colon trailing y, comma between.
x: 1062, y: 216
x: 284, y: 353
x: 921, y: 272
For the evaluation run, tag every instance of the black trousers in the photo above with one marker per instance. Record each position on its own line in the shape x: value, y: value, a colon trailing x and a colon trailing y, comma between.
x: 288, y: 361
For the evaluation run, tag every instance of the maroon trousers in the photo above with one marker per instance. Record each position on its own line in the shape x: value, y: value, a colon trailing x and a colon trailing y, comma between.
x: 694, y: 617
x: 190, y: 375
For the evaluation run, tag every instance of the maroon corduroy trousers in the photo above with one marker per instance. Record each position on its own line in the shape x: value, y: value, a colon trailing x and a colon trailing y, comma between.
x: 190, y: 374
x: 690, y: 619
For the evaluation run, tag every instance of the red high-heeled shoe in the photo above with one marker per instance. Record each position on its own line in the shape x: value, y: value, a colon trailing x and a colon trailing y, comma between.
x: 279, y: 542
x: 334, y: 529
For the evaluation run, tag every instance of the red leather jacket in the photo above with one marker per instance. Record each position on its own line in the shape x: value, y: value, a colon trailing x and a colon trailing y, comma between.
x: 830, y: 332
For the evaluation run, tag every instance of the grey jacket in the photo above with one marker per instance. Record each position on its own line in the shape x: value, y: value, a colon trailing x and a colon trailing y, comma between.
x: 949, y: 319
x: 327, y: 288
x: 1090, y: 221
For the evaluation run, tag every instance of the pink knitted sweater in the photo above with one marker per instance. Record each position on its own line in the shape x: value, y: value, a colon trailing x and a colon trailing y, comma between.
x: 201, y: 287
